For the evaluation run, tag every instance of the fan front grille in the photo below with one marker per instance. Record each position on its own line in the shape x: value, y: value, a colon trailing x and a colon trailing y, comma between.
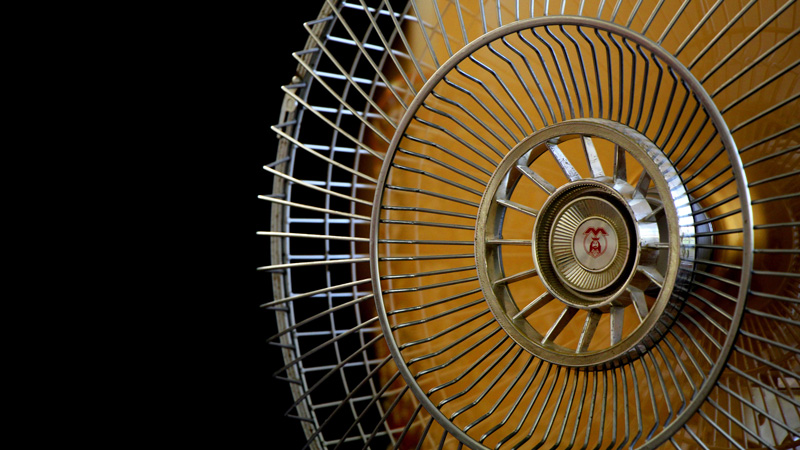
x: 413, y: 307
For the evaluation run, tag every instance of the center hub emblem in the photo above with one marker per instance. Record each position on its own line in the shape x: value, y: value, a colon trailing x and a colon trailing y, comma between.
x: 588, y: 242
x: 595, y: 244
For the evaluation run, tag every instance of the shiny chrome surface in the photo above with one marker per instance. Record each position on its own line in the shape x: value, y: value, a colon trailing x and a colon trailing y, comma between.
x: 607, y: 292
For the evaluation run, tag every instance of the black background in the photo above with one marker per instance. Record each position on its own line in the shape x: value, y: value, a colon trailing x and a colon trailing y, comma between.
x: 283, y: 33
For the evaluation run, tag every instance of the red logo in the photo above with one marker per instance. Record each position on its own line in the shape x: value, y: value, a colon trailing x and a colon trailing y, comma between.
x: 592, y: 241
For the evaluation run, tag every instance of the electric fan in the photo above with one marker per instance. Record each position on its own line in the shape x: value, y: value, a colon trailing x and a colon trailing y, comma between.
x: 532, y: 224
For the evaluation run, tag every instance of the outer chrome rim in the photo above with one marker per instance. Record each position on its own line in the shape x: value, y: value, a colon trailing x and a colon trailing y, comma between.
x: 724, y: 136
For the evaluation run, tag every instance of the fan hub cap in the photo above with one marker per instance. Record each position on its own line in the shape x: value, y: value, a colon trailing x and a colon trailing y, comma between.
x: 582, y: 242
x: 594, y: 244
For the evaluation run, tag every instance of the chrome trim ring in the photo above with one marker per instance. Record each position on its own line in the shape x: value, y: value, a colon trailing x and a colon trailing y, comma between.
x: 654, y: 229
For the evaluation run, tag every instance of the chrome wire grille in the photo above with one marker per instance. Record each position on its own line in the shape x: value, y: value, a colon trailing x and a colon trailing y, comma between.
x: 417, y: 146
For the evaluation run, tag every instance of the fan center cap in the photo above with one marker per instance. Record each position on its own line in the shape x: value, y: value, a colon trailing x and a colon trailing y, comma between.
x: 595, y: 244
x: 606, y: 253
x: 583, y: 244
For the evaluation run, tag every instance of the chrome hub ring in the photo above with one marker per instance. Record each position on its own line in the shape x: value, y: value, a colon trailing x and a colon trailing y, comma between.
x: 613, y: 259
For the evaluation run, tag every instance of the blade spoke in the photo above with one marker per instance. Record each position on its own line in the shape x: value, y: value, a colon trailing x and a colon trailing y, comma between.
x: 563, y: 162
x: 617, y: 316
x: 652, y: 213
x: 589, y: 327
x: 500, y: 241
x: 657, y: 245
x: 517, y: 277
x: 536, y: 178
x: 620, y: 169
x: 653, y: 274
x: 534, y: 306
x: 639, y: 303
x: 642, y: 185
x: 519, y: 207
x: 591, y: 157
x: 563, y: 319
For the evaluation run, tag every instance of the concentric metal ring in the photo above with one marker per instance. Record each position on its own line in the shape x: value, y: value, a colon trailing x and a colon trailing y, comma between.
x: 646, y: 280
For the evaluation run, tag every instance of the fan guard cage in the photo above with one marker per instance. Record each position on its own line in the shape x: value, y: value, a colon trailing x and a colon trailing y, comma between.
x: 407, y: 319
